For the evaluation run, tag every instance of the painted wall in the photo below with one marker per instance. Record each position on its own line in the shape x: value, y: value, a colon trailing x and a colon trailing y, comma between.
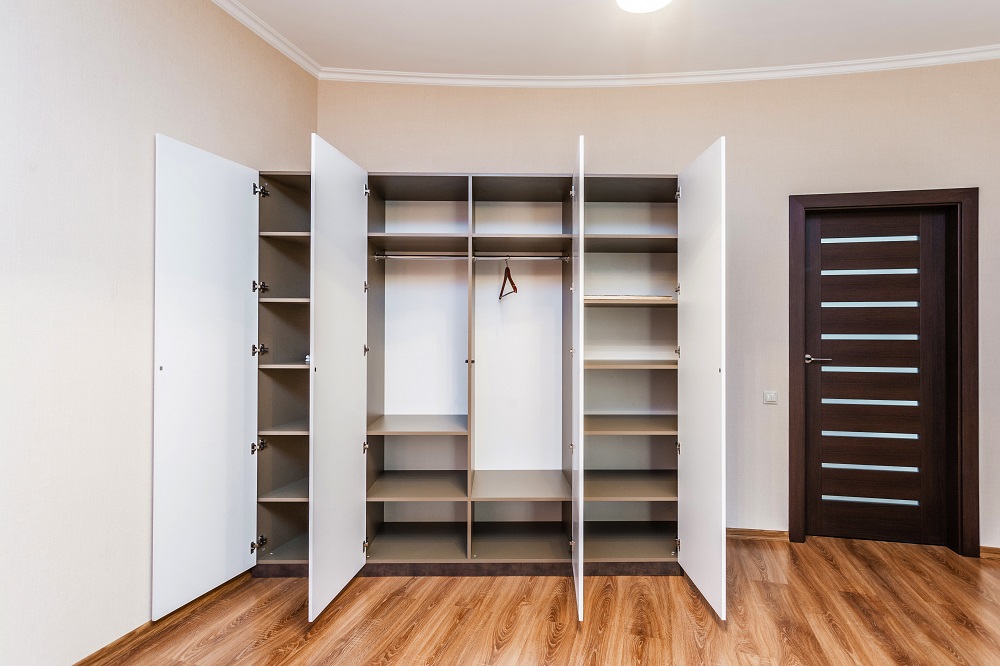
x: 908, y: 129
x: 85, y: 85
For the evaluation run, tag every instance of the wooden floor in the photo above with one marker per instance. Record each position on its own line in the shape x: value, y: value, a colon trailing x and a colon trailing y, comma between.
x: 826, y: 601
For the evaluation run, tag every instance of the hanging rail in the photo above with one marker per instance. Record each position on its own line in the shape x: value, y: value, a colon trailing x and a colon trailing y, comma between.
x: 436, y: 257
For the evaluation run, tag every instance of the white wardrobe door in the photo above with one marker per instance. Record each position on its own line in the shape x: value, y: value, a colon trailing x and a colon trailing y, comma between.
x: 337, y: 414
x: 204, y: 377
x: 701, y: 374
x: 578, y: 437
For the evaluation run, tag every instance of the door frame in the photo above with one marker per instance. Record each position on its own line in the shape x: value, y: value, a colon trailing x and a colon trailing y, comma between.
x: 963, y: 264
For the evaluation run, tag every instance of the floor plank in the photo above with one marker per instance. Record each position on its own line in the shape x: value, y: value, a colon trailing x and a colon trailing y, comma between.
x: 826, y: 601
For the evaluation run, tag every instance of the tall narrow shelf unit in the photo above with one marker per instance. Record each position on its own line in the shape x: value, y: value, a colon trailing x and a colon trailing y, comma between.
x: 444, y: 423
x: 283, y: 347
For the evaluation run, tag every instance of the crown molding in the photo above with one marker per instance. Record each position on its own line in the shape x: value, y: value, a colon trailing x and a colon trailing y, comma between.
x: 235, y: 9
x: 991, y: 52
x: 299, y: 57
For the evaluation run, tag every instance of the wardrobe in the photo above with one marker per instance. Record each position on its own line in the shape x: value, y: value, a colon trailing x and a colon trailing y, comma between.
x: 449, y: 374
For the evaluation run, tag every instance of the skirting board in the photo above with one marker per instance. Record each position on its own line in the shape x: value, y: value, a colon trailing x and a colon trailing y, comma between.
x: 523, y: 569
x: 756, y: 535
x: 989, y: 553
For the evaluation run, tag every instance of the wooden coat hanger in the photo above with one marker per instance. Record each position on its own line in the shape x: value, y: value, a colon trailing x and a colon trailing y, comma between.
x: 507, y: 278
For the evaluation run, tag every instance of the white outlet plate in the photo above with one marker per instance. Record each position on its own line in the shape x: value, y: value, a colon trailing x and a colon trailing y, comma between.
x: 770, y: 397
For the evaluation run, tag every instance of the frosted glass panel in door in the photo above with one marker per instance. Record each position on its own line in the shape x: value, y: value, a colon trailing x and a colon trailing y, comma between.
x: 204, y: 376
x: 701, y: 374
x: 338, y: 373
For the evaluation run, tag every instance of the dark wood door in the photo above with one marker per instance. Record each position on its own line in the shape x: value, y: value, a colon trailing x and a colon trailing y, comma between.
x: 875, y: 394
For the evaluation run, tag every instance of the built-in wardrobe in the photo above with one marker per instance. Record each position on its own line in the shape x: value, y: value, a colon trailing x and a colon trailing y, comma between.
x: 440, y: 373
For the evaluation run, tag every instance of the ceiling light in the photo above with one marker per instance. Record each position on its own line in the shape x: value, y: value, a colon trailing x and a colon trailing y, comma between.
x: 642, y: 6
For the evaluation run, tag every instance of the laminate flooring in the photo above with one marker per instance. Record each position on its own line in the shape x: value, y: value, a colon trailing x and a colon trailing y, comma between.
x: 826, y: 601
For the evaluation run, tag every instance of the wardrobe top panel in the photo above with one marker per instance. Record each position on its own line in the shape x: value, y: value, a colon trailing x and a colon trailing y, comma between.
x: 521, y: 188
x: 419, y: 187
x: 650, y: 189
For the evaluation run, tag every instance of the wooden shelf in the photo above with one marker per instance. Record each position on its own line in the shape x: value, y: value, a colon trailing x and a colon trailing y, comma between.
x: 514, y: 244
x: 630, y: 485
x: 420, y: 424
x: 288, y: 236
x: 295, y: 551
x: 629, y: 542
x: 520, y: 542
x: 283, y: 300
x: 520, y: 486
x: 419, y: 486
x: 296, y: 491
x: 297, y: 427
x: 630, y: 243
x: 630, y: 425
x: 630, y: 301
x: 283, y: 366
x: 418, y: 542
x: 449, y: 244
x: 630, y: 364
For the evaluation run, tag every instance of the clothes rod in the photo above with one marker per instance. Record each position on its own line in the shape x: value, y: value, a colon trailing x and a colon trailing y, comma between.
x: 436, y: 257
x: 424, y: 257
x: 523, y: 258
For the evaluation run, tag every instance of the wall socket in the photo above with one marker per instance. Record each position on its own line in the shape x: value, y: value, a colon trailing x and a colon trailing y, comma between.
x: 770, y: 397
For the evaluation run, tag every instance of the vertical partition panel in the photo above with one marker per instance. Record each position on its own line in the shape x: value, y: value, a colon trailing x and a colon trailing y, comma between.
x: 701, y: 375
x: 204, y: 377
x: 577, y: 360
x: 337, y: 411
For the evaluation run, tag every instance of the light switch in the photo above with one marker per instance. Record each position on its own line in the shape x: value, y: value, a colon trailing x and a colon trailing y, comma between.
x: 770, y: 397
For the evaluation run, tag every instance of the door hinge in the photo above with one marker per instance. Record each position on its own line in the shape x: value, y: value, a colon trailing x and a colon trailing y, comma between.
x: 364, y: 545
x: 364, y: 448
x: 261, y: 190
x: 572, y: 446
x: 678, y: 351
x: 366, y: 286
x: 368, y: 191
x: 677, y: 289
x: 678, y: 447
x: 572, y: 545
x: 367, y: 350
x: 677, y: 194
x: 572, y: 350
x: 258, y: 349
x: 262, y: 286
x: 259, y: 543
x: 572, y: 191
x: 677, y: 547
x: 258, y: 446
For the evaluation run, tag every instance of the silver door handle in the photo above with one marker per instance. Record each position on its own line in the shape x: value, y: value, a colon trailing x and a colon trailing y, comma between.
x: 810, y: 359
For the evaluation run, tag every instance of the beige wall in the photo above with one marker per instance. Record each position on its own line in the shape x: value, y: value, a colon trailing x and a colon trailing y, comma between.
x: 83, y: 88
x: 910, y: 129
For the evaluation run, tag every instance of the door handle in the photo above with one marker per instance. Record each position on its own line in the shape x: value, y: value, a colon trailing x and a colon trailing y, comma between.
x: 810, y: 358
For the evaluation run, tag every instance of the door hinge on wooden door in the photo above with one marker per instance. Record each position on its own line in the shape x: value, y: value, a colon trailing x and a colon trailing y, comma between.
x: 262, y: 286
x: 677, y: 194
x: 259, y: 543
x: 261, y: 190
x: 258, y: 446
x: 258, y: 349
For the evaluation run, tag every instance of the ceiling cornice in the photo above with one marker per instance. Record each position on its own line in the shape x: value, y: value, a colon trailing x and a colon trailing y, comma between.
x: 275, y: 39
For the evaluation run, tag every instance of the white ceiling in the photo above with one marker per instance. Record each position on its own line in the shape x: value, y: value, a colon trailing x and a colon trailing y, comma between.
x: 593, y: 42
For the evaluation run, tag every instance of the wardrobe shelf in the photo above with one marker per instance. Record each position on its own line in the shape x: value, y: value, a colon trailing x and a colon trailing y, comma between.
x: 419, y: 486
x: 630, y: 424
x: 630, y: 301
x: 282, y: 300
x: 630, y: 243
x: 283, y: 366
x: 287, y: 236
x: 630, y: 364
x: 520, y: 542
x: 297, y: 427
x: 294, y: 551
x: 420, y: 424
x: 630, y: 485
x: 418, y: 543
x: 296, y: 491
x: 451, y: 244
x: 514, y: 244
x: 520, y: 486
x: 630, y: 541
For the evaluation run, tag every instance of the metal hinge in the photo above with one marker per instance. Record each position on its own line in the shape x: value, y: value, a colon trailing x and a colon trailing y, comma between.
x: 572, y: 191
x: 678, y: 447
x: 571, y: 446
x: 259, y: 543
x: 572, y: 545
x: 678, y: 351
x: 367, y: 350
x: 364, y: 545
x: 677, y: 289
x: 261, y: 190
x: 368, y: 191
x: 258, y: 349
x: 262, y: 286
x: 258, y: 446
x: 677, y: 194
x: 572, y: 351
x: 677, y: 546
x: 364, y: 448
x: 366, y: 286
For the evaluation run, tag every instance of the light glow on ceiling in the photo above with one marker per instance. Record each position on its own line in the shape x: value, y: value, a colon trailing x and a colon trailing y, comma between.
x: 642, y: 6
